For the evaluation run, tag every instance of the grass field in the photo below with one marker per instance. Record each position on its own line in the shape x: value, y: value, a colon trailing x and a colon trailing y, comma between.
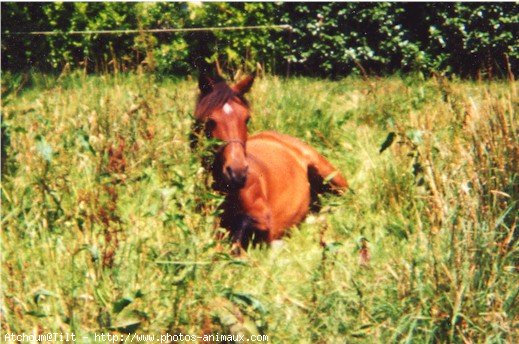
x: 108, y: 223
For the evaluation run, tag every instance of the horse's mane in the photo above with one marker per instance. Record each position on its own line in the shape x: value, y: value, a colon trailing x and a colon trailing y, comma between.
x: 215, y: 99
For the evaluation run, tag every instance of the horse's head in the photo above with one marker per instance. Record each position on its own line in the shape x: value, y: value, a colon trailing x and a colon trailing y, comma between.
x: 222, y: 112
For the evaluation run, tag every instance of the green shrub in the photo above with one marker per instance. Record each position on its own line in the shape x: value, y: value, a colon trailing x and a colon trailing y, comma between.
x: 328, y: 39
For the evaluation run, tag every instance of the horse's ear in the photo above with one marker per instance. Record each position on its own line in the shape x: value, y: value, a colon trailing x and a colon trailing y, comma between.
x: 205, y: 83
x: 245, y: 85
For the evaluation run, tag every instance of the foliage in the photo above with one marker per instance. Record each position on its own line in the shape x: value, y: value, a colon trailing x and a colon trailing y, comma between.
x: 469, y: 38
x: 237, y: 48
x: 109, y: 222
x: 169, y: 54
x: 334, y: 37
x: 328, y: 39
x: 389, y: 37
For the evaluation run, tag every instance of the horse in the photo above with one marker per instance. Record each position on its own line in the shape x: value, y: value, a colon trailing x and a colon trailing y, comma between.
x: 269, y: 179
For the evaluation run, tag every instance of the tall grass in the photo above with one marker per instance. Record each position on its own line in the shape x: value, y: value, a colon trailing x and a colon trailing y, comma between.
x: 108, y: 220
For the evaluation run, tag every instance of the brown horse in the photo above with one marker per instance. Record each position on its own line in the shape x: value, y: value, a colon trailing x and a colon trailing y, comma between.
x: 268, y: 178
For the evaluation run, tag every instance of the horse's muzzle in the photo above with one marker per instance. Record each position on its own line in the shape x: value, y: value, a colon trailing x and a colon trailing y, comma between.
x: 236, y: 179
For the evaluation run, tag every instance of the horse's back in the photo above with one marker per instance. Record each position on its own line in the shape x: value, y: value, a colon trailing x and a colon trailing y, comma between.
x: 316, y: 166
x: 290, y: 144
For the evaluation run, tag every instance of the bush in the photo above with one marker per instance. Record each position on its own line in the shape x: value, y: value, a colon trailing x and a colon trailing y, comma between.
x: 328, y: 39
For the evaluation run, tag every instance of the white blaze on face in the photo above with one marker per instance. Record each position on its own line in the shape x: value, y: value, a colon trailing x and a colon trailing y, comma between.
x: 227, y: 109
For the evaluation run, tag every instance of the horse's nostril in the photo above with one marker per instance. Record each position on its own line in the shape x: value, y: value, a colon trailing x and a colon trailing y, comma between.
x: 236, y: 178
x: 230, y: 172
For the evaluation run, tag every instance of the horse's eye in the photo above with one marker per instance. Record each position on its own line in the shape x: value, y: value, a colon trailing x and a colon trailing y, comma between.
x: 210, y: 124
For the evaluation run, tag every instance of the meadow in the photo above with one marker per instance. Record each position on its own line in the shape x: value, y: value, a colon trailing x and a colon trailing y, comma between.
x: 109, y: 222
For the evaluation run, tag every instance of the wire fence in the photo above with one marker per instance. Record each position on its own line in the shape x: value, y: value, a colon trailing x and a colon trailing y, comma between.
x: 137, y: 31
x: 120, y: 32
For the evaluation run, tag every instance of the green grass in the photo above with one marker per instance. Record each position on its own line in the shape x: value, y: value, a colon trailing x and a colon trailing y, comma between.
x: 108, y: 223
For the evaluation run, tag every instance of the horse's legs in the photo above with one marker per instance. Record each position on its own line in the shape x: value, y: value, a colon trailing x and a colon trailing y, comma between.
x: 320, y: 169
x: 240, y: 234
x: 245, y: 230
x: 257, y: 212
x: 246, y: 223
